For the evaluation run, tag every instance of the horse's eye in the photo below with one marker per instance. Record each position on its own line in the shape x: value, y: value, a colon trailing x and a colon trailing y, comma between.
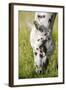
x: 39, y: 16
x: 43, y: 16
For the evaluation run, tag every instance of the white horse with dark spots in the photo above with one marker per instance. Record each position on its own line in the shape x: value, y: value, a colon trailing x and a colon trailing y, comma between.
x: 41, y: 39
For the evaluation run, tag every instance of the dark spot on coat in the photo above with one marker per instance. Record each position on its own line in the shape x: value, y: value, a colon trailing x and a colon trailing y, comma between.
x: 41, y: 38
x: 44, y: 49
x: 45, y: 34
x: 49, y: 20
x: 41, y: 28
x: 40, y: 46
x: 41, y: 55
x: 35, y: 53
x: 36, y: 48
x: 44, y: 41
x: 48, y: 38
x: 41, y: 51
x: 38, y: 40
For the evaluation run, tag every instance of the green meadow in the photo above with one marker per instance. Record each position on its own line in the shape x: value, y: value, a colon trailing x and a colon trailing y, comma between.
x: 25, y: 59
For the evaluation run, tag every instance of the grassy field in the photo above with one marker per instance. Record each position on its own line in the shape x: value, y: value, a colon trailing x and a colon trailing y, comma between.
x: 26, y: 60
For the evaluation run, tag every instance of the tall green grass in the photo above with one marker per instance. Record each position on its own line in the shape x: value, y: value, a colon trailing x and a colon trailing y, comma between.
x: 26, y: 60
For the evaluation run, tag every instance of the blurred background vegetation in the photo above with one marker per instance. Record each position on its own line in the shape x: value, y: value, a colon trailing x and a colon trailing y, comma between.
x: 26, y: 60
